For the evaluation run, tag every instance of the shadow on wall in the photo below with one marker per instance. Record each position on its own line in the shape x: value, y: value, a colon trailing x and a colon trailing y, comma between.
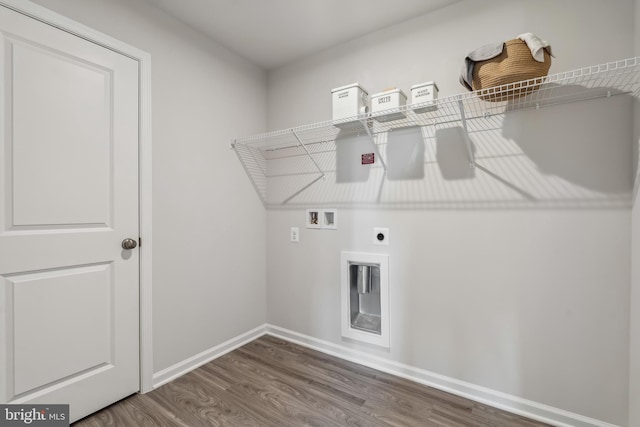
x: 587, y: 144
x: 451, y: 154
x: 350, y: 166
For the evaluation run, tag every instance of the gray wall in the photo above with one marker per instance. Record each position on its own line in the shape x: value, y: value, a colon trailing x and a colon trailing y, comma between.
x: 634, y: 372
x: 528, y: 296
x: 208, y: 224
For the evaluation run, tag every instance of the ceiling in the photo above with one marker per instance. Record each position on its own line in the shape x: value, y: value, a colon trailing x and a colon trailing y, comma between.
x: 272, y: 33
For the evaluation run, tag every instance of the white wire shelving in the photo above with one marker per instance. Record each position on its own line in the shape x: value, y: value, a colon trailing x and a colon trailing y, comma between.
x: 284, y: 164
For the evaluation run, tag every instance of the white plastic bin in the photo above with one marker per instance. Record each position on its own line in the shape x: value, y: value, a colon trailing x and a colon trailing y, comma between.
x: 424, y: 93
x: 349, y: 101
x: 389, y: 99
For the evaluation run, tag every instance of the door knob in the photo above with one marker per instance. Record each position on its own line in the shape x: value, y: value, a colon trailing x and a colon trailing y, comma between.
x: 129, y: 244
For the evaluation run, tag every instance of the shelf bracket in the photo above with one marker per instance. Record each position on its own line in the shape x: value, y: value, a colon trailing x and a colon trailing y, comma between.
x: 308, y: 153
x: 288, y: 199
x: 467, y: 140
x: 375, y: 146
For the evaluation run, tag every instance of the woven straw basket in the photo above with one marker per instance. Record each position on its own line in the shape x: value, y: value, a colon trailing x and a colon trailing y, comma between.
x: 514, y: 64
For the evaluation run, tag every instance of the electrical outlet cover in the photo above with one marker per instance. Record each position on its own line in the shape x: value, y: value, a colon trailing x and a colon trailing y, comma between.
x: 330, y: 219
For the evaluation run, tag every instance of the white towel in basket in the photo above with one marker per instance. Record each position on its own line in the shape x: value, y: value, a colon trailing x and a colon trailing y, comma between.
x: 536, y: 45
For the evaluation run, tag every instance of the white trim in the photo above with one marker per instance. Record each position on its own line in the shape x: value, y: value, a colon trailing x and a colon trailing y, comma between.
x: 187, y: 365
x: 146, y: 230
x: 497, y: 399
x: 145, y: 184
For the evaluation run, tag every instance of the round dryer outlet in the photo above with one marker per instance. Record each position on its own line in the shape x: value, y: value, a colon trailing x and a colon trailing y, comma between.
x: 380, y: 236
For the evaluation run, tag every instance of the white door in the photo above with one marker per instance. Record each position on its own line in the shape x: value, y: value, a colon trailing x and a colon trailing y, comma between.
x: 69, y: 292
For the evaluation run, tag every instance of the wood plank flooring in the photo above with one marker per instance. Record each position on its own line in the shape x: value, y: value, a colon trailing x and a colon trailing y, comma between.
x: 271, y: 382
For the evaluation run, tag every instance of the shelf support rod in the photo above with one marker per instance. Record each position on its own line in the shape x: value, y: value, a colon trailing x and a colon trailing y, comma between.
x: 467, y: 140
x: 375, y: 146
x: 288, y: 199
x: 308, y: 153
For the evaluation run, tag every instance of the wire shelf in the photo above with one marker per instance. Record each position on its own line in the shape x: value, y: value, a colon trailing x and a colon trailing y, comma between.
x: 283, y: 164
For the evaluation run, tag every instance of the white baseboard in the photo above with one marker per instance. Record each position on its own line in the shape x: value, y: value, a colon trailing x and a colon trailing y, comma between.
x: 497, y: 399
x: 187, y: 365
x: 507, y: 402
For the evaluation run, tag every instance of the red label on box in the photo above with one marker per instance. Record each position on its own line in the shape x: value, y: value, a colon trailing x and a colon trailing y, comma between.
x: 368, y: 158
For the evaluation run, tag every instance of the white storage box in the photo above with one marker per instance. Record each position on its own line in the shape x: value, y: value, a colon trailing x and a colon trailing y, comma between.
x: 349, y: 101
x: 424, y: 92
x: 392, y: 98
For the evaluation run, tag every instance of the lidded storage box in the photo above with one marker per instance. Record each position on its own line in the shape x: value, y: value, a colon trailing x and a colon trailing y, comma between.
x: 349, y: 101
x: 424, y: 93
x: 392, y: 98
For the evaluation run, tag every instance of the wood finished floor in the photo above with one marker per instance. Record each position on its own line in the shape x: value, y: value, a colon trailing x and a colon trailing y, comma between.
x: 271, y: 382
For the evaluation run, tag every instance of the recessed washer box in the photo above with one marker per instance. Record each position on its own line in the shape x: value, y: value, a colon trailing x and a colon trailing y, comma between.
x: 364, y: 281
x: 330, y: 219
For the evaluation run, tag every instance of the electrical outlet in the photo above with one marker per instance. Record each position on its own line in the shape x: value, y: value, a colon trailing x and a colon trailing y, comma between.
x: 381, y: 236
x: 295, y: 234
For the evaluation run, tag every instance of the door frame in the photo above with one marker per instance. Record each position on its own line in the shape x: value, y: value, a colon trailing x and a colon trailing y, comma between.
x: 54, y: 19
